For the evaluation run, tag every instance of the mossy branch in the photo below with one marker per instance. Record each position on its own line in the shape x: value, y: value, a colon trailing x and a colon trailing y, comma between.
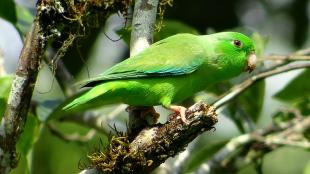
x: 154, y: 144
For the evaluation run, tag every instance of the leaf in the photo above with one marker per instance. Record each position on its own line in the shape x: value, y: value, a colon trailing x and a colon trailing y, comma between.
x: 125, y: 34
x: 298, y: 88
x: 297, y: 92
x: 5, y: 87
x: 282, y: 116
x: 307, y: 168
x: 252, y: 100
x: 28, y: 138
x: 200, y: 156
x: 8, y: 11
x: 247, y: 106
x: 172, y: 27
x: 2, y: 107
x: 169, y: 28
x: 24, y: 19
x: 46, y: 108
x: 260, y: 43
x: 236, y: 117
x: 29, y: 135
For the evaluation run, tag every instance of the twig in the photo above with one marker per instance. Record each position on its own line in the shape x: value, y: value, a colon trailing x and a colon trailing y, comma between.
x: 18, y: 103
x: 99, y: 122
x: 218, y: 161
x: 238, y: 89
x: 289, y: 136
x: 75, y: 137
x: 63, y: 76
x: 286, y: 58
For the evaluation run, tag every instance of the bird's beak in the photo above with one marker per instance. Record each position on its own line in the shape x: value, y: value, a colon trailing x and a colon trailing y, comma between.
x: 251, y: 63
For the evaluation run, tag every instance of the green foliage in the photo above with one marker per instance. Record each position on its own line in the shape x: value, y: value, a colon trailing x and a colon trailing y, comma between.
x: 5, y: 87
x: 307, y: 168
x: 306, y: 134
x: 45, y: 109
x: 286, y: 160
x: 169, y: 28
x: 5, y: 83
x: 25, y: 18
x: 260, y: 43
x: 247, y: 106
x: 202, y: 155
x: 282, y: 116
x: 8, y: 11
x: 28, y: 138
x: 297, y: 92
x: 252, y: 100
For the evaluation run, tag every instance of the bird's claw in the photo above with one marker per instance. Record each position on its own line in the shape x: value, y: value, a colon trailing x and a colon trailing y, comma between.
x: 180, y: 110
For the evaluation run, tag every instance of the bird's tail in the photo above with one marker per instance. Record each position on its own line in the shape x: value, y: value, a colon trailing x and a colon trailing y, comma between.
x: 89, y: 99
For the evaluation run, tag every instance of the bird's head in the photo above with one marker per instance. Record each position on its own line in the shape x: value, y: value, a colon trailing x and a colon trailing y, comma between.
x: 235, y: 52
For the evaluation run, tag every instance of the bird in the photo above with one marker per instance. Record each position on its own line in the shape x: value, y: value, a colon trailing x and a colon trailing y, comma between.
x: 169, y: 71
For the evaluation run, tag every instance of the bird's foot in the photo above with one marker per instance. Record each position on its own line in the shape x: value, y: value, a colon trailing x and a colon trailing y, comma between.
x: 180, y: 110
x: 145, y: 113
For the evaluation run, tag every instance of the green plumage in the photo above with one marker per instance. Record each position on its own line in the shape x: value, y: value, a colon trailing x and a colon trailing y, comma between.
x: 168, y: 71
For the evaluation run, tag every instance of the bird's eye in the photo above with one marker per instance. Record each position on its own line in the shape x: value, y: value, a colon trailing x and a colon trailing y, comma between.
x: 237, y: 43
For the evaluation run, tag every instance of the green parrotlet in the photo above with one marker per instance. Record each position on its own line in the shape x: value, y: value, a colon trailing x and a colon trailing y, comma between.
x: 170, y: 71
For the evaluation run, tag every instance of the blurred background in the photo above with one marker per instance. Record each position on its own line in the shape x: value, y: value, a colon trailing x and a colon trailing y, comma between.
x: 282, y: 24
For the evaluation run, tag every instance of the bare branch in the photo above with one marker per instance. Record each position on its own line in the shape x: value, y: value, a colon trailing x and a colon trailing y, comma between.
x: 286, y: 58
x: 143, y: 23
x: 75, y: 137
x: 238, y: 89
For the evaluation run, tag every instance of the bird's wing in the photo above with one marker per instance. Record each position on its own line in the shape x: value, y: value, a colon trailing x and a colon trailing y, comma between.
x: 176, y: 55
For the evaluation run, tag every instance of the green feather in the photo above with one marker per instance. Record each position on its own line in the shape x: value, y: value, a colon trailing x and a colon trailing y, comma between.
x: 176, y: 55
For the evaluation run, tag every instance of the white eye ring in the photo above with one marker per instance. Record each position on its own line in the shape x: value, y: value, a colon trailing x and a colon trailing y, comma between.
x: 237, y: 43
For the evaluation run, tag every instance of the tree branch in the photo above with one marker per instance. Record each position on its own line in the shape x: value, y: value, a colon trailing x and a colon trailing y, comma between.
x: 154, y: 144
x: 18, y: 103
x: 143, y: 24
